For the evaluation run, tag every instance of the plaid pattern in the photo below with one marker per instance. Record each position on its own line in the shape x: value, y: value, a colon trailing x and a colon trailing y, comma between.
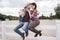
x: 34, y: 13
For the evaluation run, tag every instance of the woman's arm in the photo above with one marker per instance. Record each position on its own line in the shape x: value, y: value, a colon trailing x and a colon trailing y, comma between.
x: 30, y: 14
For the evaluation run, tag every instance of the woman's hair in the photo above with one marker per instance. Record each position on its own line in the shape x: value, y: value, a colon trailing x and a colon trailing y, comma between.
x: 27, y: 5
x: 34, y: 4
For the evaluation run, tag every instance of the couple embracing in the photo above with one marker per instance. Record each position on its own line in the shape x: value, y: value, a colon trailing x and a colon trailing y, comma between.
x: 28, y: 20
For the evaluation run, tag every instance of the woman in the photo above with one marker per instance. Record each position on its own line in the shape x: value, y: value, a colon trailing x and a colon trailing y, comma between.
x: 35, y: 20
x: 24, y: 16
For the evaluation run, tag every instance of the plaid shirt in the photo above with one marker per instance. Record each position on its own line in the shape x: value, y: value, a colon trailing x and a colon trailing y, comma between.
x: 34, y: 14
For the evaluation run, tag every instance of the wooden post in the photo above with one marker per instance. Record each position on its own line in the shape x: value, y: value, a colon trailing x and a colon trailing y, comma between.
x: 3, y: 30
x: 58, y: 29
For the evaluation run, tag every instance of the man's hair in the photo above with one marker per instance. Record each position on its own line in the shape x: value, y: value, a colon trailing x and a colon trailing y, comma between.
x: 34, y: 4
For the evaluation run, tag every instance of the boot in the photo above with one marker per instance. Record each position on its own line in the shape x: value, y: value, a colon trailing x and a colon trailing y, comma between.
x: 23, y: 36
x: 39, y: 32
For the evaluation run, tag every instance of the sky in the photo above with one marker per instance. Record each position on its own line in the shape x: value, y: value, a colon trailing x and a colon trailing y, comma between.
x: 11, y: 7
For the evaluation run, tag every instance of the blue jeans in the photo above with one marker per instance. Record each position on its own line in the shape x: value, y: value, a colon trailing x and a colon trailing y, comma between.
x: 25, y: 28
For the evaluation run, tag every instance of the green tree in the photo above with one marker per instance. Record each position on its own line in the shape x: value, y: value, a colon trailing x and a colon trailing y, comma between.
x: 3, y: 17
x: 57, y: 10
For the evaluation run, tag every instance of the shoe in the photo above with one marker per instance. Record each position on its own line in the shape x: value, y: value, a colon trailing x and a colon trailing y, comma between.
x: 26, y: 33
x: 40, y: 34
x: 23, y: 36
x: 36, y: 35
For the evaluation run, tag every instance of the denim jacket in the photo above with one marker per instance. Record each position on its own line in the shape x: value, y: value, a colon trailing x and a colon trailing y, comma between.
x: 20, y: 17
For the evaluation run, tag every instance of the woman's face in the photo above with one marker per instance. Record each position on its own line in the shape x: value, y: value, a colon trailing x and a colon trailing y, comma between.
x: 33, y: 7
x: 30, y: 7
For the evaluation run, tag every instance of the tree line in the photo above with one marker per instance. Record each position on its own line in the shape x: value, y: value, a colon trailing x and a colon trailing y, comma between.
x: 3, y: 17
x: 56, y: 16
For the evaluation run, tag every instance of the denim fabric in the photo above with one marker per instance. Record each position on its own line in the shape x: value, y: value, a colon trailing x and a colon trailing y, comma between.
x: 25, y: 28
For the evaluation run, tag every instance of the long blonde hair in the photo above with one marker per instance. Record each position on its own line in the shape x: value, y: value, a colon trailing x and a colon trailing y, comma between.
x: 27, y: 5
